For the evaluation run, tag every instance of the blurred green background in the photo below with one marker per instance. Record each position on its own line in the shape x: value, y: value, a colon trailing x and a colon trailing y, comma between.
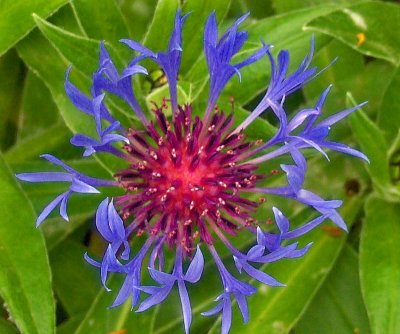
x: 346, y: 284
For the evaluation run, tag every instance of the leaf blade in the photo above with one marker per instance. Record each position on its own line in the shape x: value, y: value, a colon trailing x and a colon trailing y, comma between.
x: 16, y: 21
x: 376, y: 39
x: 379, y: 268
x: 26, y: 283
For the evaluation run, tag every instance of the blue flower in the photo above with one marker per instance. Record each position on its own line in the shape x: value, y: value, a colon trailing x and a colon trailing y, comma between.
x: 106, y: 137
x: 79, y: 183
x: 158, y: 294
x: 186, y: 179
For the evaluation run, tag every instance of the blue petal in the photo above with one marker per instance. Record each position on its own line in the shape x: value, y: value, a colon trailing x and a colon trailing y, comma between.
x: 256, y: 251
x: 161, y: 277
x: 155, y: 298
x: 127, y: 290
x: 226, y: 316
x: 185, y: 302
x: 82, y: 187
x: 339, y: 116
x: 102, y: 220
x: 63, y: 208
x: 80, y: 100
x: 304, y: 229
x: 45, y: 177
x: 344, y: 149
x: 281, y: 220
x: 214, y: 310
x: 50, y: 207
x: 295, y: 177
x: 261, y: 276
x: 244, y: 309
x: 195, y: 269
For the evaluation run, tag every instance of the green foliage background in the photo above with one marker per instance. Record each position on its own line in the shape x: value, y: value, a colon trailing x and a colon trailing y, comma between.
x: 347, y: 283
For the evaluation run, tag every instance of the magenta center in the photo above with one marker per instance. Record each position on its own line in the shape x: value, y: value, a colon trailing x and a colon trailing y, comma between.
x: 185, y: 181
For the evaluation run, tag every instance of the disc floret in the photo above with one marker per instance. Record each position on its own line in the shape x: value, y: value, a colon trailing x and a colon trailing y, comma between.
x: 181, y: 176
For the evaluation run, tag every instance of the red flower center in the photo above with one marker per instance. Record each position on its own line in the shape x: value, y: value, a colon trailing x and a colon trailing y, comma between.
x: 184, y: 179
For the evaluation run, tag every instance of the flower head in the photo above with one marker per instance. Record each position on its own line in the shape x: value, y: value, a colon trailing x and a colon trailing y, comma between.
x: 187, y: 180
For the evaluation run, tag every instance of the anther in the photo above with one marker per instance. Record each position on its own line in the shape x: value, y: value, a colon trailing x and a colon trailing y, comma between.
x: 201, y: 149
x: 170, y: 189
x: 173, y: 153
x: 154, y: 155
x: 151, y: 191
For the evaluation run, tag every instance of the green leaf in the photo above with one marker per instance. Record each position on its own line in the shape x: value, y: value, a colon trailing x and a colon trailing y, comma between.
x: 25, y: 281
x: 381, y: 40
x: 161, y: 26
x: 69, y: 326
x: 16, y: 20
x: 389, y: 117
x: 283, y: 6
x: 373, y: 144
x: 75, y: 281
x: 45, y: 141
x: 11, y: 74
x: 258, y: 9
x: 101, y: 319
x: 338, y: 306
x: 56, y: 230
x: 192, y: 39
x: 138, y: 15
x: 101, y: 20
x: 36, y: 96
x: 379, y: 265
x: 69, y: 45
x: 6, y: 327
x: 373, y: 82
